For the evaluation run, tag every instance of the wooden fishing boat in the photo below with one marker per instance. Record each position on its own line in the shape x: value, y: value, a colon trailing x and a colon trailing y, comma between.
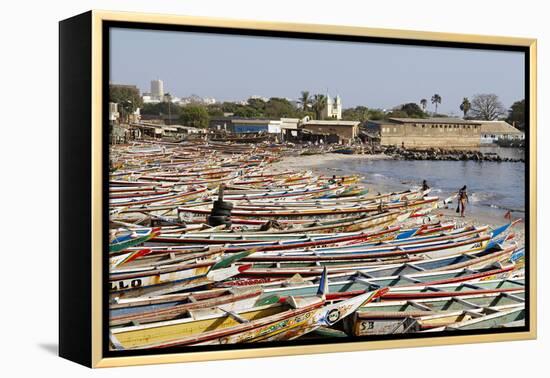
x: 143, y: 311
x: 121, y: 259
x: 287, y: 326
x: 390, y: 317
x: 336, y: 212
x: 299, y: 247
x: 379, y: 269
x: 436, y: 247
x: 166, y: 306
x: 173, y: 277
x: 267, y: 243
x: 455, y: 289
x: 492, y: 317
x: 122, y: 240
x: 172, y: 197
x: 147, y: 260
x: 406, y: 195
x: 427, y: 245
x: 358, y: 281
x: 362, y: 223
x: 294, y: 317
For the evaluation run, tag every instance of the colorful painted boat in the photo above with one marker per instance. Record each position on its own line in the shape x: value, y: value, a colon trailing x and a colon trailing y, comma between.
x: 391, y: 317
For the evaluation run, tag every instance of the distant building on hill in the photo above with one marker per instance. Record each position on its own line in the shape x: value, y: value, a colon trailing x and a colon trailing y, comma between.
x: 113, y: 112
x: 157, y: 90
x: 493, y: 131
x: 426, y: 132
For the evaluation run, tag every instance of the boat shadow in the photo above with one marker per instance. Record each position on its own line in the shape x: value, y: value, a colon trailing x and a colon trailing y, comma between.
x: 52, y: 348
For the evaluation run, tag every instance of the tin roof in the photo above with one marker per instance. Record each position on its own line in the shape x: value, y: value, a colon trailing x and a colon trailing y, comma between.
x: 331, y: 123
x: 499, y: 127
x: 452, y: 120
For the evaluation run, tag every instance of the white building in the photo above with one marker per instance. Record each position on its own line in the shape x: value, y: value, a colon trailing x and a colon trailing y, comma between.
x: 195, y: 99
x: 258, y: 97
x: 157, y: 90
x: 149, y: 99
x: 493, y: 131
x: 209, y: 100
x: 289, y: 127
x: 113, y: 112
x: 333, y: 108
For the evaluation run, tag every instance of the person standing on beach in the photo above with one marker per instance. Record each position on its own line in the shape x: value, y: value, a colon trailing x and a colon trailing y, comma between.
x: 425, y: 185
x: 462, y: 200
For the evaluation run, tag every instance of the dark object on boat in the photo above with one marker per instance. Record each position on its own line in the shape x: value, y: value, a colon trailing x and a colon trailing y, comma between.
x: 216, y: 211
x: 270, y: 225
x: 223, y: 205
x: 218, y: 220
x: 221, y: 211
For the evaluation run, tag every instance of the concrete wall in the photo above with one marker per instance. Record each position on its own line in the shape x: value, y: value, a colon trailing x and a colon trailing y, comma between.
x: 428, y: 135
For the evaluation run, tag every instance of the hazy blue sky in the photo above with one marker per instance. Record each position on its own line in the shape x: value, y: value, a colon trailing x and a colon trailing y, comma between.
x: 378, y: 76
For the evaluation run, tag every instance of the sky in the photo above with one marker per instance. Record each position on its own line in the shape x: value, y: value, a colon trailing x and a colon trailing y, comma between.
x: 374, y: 75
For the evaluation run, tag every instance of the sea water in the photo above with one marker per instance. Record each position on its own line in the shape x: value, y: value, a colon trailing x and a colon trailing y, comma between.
x: 491, y: 185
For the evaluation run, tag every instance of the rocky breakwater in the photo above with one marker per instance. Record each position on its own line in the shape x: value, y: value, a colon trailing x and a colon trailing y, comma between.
x: 444, y: 154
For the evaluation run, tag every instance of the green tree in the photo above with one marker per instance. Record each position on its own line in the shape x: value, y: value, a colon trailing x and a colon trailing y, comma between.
x: 436, y: 99
x: 412, y: 110
x: 516, y: 114
x: 318, y: 104
x: 397, y: 113
x: 257, y: 104
x: 160, y: 108
x: 465, y: 106
x: 214, y: 110
x: 127, y: 98
x: 376, y: 114
x: 279, y: 107
x: 359, y: 113
x: 229, y: 107
x: 305, y: 100
x: 424, y: 104
x: 246, y: 111
x: 194, y: 115
x: 487, y: 107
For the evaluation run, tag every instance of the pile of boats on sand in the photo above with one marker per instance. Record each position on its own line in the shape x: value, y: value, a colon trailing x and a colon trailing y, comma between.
x: 293, y: 254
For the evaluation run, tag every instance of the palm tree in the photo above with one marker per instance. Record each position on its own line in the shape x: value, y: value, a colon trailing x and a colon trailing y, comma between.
x: 305, y: 100
x: 465, y: 106
x: 424, y: 104
x: 318, y: 104
x: 436, y: 99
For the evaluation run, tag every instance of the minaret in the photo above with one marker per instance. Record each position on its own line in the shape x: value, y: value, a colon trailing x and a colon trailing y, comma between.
x: 338, y: 106
x: 327, y: 113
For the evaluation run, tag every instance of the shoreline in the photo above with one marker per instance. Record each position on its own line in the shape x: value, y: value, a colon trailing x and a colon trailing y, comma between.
x: 320, y: 164
x: 315, y: 162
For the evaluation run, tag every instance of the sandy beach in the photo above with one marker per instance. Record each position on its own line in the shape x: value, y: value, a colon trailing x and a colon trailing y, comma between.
x: 317, y: 163
x: 338, y: 164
